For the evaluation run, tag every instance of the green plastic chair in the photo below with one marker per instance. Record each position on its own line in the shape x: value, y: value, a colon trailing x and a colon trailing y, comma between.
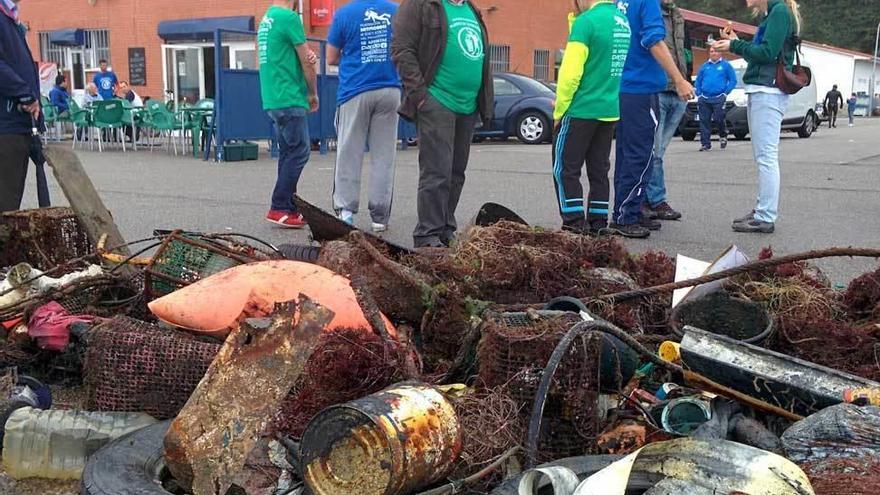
x: 81, y: 120
x: 165, y: 122
x: 108, y: 115
x: 199, y: 122
x: 128, y: 118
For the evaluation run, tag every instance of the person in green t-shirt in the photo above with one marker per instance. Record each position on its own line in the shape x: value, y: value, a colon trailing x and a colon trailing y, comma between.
x: 447, y: 86
x: 288, y: 85
x: 587, y: 107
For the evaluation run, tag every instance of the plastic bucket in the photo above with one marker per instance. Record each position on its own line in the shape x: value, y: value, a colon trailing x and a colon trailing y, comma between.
x: 394, y: 441
x: 721, y: 314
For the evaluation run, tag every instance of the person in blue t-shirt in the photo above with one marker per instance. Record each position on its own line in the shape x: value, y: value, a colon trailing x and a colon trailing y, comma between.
x: 644, y: 77
x: 359, y: 42
x: 715, y: 81
x: 106, y: 81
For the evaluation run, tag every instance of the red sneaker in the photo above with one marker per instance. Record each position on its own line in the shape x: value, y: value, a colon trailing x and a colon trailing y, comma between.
x: 286, y: 219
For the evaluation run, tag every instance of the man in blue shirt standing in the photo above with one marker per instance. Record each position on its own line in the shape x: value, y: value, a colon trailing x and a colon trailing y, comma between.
x: 715, y: 81
x: 643, y: 79
x: 106, y: 82
x: 359, y: 42
x: 58, y: 96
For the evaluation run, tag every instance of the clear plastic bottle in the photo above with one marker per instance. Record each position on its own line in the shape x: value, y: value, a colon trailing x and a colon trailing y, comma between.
x: 56, y: 444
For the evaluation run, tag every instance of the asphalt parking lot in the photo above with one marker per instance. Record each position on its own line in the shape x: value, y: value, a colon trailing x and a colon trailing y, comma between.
x: 830, y: 193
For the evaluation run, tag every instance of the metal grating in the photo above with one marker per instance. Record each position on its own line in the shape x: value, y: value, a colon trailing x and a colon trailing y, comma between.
x: 499, y: 58
x: 44, y: 237
x: 542, y: 65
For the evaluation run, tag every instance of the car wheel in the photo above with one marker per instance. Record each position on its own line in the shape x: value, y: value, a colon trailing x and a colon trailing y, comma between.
x: 130, y: 465
x: 479, y: 139
x: 809, y: 125
x: 740, y: 136
x: 532, y: 128
x: 688, y: 136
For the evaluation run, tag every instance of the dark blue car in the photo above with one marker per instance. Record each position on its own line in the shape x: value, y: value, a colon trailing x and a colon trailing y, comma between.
x: 523, y: 108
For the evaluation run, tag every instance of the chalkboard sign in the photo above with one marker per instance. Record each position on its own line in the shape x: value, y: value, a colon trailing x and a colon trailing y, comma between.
x: 137, y: 66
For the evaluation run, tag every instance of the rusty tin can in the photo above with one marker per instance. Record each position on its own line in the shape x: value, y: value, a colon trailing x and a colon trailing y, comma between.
x: 389, y: 443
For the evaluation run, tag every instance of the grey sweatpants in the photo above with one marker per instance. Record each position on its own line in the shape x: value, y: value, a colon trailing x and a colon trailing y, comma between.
x: 368, y: 119
x: 444, y: 149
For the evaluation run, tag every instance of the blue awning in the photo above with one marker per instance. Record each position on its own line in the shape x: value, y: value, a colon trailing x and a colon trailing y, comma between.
x: 68, y: 37
x: 202, y: 29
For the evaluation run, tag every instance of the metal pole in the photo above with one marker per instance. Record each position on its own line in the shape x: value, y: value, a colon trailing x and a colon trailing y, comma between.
x: 873, y: 74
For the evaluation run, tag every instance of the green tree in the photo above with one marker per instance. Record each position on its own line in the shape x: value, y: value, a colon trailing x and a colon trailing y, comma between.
x: 844, y: 23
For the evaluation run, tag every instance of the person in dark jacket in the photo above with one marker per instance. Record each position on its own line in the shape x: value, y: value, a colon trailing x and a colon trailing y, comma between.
x: 19, y: 105
x: 715, y: 81
x: 776, y: 37
x: 439, y: 48
x: 833, y: 103
x: 59, y: 97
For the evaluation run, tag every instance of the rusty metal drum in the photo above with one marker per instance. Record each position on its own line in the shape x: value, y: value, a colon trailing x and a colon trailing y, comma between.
x: 389, y: 443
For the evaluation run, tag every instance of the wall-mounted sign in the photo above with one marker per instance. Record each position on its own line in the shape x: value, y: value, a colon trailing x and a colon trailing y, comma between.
x: 137, y: 66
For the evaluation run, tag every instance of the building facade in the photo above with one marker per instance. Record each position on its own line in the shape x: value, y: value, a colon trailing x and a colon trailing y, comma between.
x: 165, y: 48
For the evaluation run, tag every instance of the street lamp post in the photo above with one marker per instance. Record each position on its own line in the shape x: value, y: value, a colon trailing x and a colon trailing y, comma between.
x: 874, y: 74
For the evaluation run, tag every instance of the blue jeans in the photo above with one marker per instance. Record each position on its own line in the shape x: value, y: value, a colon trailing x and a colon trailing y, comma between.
x: 634, y: 157
x: 765, y: 124
x: 671, y: 111
x: 292, y: 132
x: 712, y: 110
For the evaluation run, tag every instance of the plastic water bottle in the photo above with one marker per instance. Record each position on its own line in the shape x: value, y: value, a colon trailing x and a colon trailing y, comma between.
x: 56, y: 444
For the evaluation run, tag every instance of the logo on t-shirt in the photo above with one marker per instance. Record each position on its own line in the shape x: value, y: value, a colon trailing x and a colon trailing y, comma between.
x: 106, y: 83
x: 471, y: 42
x: 372, y: 16
x: 375, y: 31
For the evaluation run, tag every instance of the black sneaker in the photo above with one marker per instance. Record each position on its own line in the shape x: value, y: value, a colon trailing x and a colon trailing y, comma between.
x: 723, y: 143
x: 665, y: 212
x: 650, y: 223
x: 647, y: 212
x: 747, y: 218
x: 755, y: 226
x: 632, y: 231
x: 705, y: 148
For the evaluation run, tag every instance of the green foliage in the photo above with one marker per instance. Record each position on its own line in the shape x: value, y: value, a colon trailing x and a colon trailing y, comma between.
x: 844, y: 23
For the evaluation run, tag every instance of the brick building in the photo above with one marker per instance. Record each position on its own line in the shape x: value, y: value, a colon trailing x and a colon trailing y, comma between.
x: 164, y: 45
x: 175, y: 38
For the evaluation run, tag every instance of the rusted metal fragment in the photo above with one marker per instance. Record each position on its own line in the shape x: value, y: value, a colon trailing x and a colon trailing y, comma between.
x: 389, y: 443
x: 207, y: 445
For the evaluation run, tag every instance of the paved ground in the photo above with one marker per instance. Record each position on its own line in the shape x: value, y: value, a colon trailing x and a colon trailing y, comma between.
x: 831, y: 193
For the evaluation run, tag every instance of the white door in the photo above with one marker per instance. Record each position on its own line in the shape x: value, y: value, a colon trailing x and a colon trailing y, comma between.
x: 77, y: 63
x: 183, y: 68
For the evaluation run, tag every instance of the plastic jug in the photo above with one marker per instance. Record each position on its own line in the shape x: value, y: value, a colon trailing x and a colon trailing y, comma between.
x: 56, y: 444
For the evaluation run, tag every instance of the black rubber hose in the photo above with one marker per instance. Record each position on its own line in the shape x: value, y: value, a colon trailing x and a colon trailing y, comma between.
x: 534, y: 432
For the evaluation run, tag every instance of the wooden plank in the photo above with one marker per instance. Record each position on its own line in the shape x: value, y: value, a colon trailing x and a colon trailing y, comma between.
x: 85, y: 201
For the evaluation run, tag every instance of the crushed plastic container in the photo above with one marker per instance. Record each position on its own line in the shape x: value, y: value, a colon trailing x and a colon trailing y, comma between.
x: 56, y: 444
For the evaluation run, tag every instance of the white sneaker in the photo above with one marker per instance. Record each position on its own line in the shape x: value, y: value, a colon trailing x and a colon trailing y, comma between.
x: 379, y: 227
x: 347, y: 217
x: 851, y: 125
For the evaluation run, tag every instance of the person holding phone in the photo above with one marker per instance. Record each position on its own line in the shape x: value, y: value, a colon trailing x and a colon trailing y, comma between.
x: 776, y: 39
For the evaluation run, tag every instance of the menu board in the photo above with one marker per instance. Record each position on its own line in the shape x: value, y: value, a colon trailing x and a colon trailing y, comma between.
x: 137, y: 66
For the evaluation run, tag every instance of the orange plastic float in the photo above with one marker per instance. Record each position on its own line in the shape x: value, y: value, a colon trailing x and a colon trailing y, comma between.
x: 213, y: 305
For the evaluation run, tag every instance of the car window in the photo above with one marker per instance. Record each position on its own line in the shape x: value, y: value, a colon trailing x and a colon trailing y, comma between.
x: 503, y: 87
